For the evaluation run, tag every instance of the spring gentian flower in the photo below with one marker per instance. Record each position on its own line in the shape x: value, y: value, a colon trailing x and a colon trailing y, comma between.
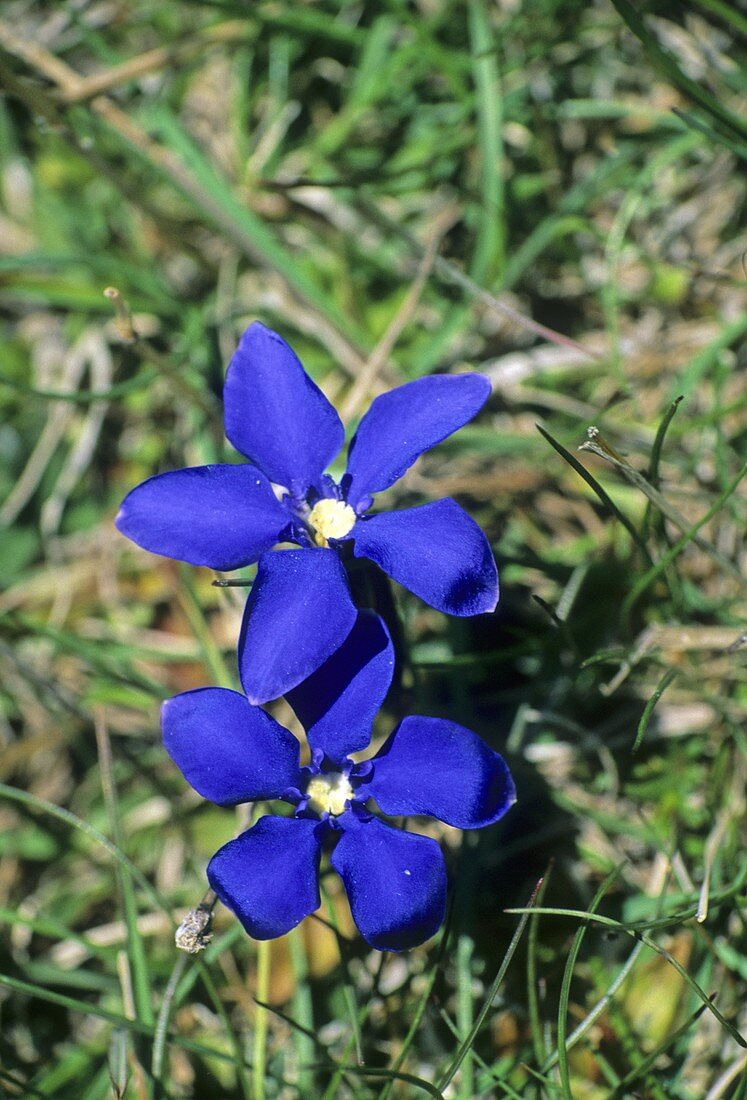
x: 233, y: 752
x: 226, y: 516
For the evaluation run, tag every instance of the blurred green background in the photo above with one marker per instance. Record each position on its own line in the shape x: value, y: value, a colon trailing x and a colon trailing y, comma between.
x: 398, y: 188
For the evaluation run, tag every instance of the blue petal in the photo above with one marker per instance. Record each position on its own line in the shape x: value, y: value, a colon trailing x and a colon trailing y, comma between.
x: 440, y: 769
x: 276, y: 415
x: 269, y: 875
x: 437, y: 551
x: 395, y: 881
x: 402, y: 424
x: 298, y: 612
x: 223, y: 516
x: 227, y: 749
x: 337, y: 704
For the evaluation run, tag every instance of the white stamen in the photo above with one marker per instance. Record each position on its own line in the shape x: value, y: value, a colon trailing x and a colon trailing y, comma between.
x: 329, y: 793
x: 331, y: 519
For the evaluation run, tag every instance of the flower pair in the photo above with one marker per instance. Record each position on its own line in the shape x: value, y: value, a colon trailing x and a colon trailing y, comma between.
x: 226, y: 516
x: 233, y: 752
x: 303, y: 637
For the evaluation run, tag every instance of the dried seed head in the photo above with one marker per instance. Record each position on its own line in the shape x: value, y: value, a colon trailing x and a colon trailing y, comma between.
x: 196, y: 930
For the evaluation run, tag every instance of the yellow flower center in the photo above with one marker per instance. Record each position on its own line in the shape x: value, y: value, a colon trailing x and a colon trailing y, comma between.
x: 329, y: 793
x: 331, y: 519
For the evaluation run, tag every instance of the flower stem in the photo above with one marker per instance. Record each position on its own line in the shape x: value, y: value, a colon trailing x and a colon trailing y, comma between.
x: 372, y: 588
x: 260, y: 1020
x: 465, y: 1016
x: 303, y: 1010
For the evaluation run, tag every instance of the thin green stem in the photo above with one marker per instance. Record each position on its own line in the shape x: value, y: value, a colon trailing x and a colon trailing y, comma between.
x: 259, y: 1050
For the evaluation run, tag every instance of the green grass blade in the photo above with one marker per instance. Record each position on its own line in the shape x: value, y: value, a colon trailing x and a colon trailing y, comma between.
x: 599, y: 1008
x: 391, y: 1075
x: 592, y: 482
x: 661, y: 431
x: 142, y: 380
x: 466, y: 1045
x: 697, y: 125
x: 303, y: 1009
x: 464, y: 1013
x: 241, y: 224
x: 137, y: 957
x: 661, y: 687
x: 565, y: 988
x: 622, y: 1090
x: 650, y: 576
x: 535, y: 1021
x: 608, y: 922
x: 727, y: 12
x: 49, y: 927
x: 162, y: 1024
x: 85, y: 1008
x: 374, y: 67
x: 417, y: 1015
x: 259, y: 1046
x: 42, y: 806
x: 211, y: 654
x: 669, y: 67
x: 488, y: 259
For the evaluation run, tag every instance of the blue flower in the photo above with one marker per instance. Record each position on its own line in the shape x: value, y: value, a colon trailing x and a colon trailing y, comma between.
x: 233, y: 752
x: 226, y: 516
